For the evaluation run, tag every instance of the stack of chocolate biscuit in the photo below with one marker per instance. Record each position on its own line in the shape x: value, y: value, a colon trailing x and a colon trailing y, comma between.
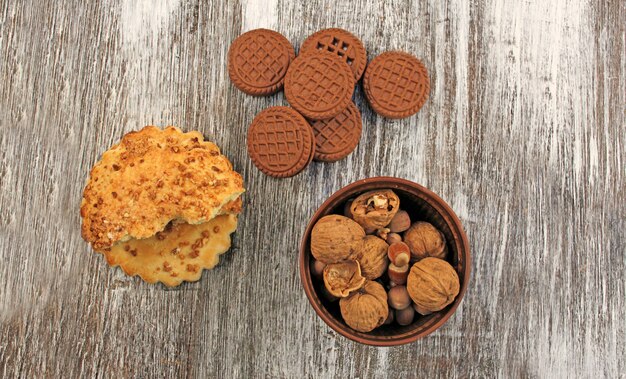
x: 323, y: 122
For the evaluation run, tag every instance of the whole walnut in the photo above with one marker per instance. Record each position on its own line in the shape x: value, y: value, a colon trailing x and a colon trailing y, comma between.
x: 340, y: 279
x: 432, y: 284
x: 335, y: 238
x: 373, y: 257
x: 366, y: 309
x: 425, y: 240
x: 374, y: 210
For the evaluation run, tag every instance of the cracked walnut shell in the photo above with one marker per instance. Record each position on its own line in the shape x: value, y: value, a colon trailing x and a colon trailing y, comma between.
x: 340, y: 279
x: 373, y: 257
x: 335, y: 238
x: 425, y: 240
x: 432, y: 284
x: 374, y: 210
x: 366, y: 309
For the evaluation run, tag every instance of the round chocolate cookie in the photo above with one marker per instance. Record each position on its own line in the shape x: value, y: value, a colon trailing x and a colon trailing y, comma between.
x: 280, y: 142
x: 337, y: 137
x: 341, y: 43
x: 396, y: 84
x: 318, y: 85
x: 258, y: 61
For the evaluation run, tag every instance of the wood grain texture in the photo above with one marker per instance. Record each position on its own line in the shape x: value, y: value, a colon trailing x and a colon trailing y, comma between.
x: 523, y: 135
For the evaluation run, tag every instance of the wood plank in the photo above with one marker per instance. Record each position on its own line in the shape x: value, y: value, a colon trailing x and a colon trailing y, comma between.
x: 522, y: 135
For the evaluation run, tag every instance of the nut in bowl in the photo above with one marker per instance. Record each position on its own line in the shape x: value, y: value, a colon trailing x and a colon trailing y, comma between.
x: 412, y: 255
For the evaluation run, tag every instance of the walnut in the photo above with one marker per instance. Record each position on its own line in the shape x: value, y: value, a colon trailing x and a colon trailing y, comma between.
x: 340, y: 279
x: 366, y: 309
x: 374, y: 210
x: 432, y: 284
x: 335, y: 238
x: 425, y: 240
x: 372, y: 257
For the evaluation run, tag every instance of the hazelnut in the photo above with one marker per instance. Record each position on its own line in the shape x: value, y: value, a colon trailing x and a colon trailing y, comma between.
x: 405, y: 316
x: 335, y: 238
x: 366, y: 309
x: 399, y: 253
x: 432, y: 284
x: 375, y: 209
x: 346, y: 208
x: 372, y: 257
x: 400, y: 222
x: 317, y: 269
x: 399, y: 297
x: 342, y: 278
x: 398, y: 274
x: 390, y: 317
x: 393, y: 238
x: 425, y: 240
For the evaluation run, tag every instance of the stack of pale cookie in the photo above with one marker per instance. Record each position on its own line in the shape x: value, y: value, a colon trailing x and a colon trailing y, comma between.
x: 162, y: 204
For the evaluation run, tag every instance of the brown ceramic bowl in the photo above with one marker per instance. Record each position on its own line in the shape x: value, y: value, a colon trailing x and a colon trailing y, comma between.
x: 421, y: 204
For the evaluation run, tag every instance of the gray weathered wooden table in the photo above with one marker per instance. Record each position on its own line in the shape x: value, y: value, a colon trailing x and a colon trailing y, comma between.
x: 523, y: 135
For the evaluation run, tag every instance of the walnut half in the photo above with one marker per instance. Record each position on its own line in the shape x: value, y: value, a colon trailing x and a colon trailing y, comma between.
x: 374, y: 210
x: 340, y: 279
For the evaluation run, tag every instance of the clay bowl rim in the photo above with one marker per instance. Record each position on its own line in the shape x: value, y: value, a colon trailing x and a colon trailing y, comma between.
x: 343, y: 194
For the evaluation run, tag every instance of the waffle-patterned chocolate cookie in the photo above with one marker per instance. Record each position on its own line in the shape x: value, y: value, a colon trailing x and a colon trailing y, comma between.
x: 341, y: 43
x: 280, y: 142
x: 258, y: 61
x: 318, y: 85
x: 337, y: 137
x: 396, y: 84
